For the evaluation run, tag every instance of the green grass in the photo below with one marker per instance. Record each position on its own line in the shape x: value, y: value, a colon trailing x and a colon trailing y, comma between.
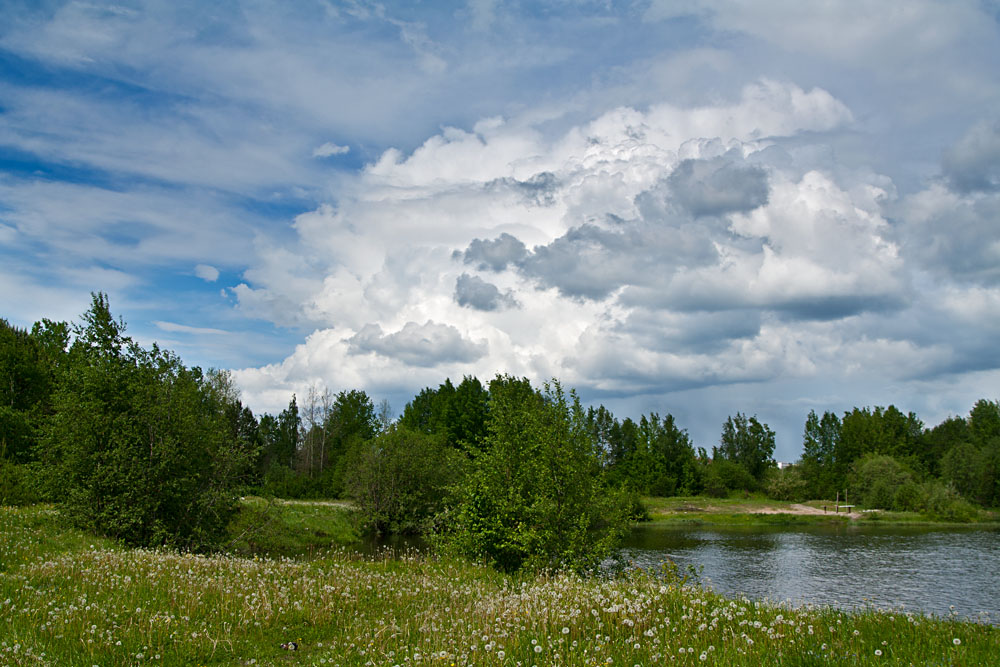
x: 741, y: 511
x: 69, y: 599
x: 758, y: 510
x: 277, y: 527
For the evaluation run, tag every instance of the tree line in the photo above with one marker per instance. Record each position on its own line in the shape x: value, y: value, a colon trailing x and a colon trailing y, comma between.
x: 136, y: 445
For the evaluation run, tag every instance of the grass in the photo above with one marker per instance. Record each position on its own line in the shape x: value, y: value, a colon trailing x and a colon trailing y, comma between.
x: 69, y: 599
x: 749, y: 510
x: 758, y: 510
x: 273, y: 527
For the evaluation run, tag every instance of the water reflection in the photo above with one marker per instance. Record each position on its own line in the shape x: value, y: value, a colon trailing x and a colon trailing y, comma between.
x: 847, y: 566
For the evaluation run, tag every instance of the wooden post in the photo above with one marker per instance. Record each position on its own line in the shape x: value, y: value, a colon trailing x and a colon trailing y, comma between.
x: 837, y: 506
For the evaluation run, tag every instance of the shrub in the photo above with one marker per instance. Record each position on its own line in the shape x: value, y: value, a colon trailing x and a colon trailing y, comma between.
x: 18, y: 484
x: 723, y: 476
x: 536, y: 498
x: 875, y: 480
x: 400, y: 479
x: 785, y: 484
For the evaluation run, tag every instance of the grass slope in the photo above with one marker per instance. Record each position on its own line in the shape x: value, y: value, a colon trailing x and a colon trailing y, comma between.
x: 70, y: 599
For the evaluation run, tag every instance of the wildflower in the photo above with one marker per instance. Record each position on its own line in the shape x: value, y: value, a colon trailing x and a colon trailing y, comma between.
x: 956, y: 641
x: 878, y: 652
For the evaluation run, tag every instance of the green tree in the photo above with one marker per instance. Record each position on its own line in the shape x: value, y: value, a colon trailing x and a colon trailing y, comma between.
x: 458, y: 414
x: 352, y: 421
x: 138, y: 443
x: 671, y: 456
x: 964, y: 467
x: 877, y: 431
x: 749, y: 443
x: 936, y: 442
x: 535, y: 497
x: 400, y: 479
x: 984, y: 421
x: 877, y: 480
x: 820, y: 441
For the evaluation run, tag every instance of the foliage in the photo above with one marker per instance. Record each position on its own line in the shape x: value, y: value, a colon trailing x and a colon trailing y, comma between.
x: 820, y: 443
x: 786, y: 484
x: 399, y: 480
x: 457, y: 414
x: 535, y: 498
x: 876, y: 481
x: 653, y: 457
x: 721, y: 476
x: 139, y: 443
x: 748, y: 443
x: 28, y: 363
x: 18, y: 483
x: 885, y: 431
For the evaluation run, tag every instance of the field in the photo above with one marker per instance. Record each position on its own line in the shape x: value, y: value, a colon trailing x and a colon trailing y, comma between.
x: 758, y: 510
x: 70, y: 599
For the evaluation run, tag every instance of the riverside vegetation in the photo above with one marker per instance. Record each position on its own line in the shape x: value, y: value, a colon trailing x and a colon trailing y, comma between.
x: 145, y: 551
x: 68, y: 598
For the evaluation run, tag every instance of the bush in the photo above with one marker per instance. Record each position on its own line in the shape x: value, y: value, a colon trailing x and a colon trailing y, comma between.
x: 785, y: 484
x: 876, y: 479
x: 18, y: 484
x: 723, y: 476
x: 281, y: 481
x: 400, y: 479
x: 945, y: 504
x: 536, y: 498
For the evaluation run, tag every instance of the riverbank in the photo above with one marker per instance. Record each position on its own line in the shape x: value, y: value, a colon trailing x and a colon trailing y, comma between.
x: 757, y: 510
x: 67, y: 598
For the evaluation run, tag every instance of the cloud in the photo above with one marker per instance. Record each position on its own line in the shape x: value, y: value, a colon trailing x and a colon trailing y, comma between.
x: 973, y: 164
x: 173, y: 327
x: 329, y: 148
x: 206, y: 272
x: 474, y: 292
x: 539, y: 189
x: 681, y: 235
x: 428, y: 344
x: 951, y: 234
x: 718, y: 186
x: 494, y: 255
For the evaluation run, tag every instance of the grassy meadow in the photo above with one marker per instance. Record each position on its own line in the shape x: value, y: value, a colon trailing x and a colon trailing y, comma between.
x: 67, y: 598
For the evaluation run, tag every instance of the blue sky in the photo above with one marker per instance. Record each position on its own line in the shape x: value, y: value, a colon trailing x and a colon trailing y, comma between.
x: 696, y: 208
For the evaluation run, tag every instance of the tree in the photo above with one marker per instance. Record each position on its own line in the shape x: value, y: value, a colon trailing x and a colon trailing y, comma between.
x: 820, y: 440
x: 876, y: 481
x: 458, y: 414
x: 139, y: 444
x: 399, y: 480
x: 748, y: 443
x: 351, y: 421
x: 673, y: 460
x: 27, y: 379
x: 984, y: 421
x: 935, y: 443
x: 535, y: 497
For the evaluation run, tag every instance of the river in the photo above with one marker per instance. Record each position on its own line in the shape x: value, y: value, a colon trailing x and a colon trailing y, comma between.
x: 926, y: 570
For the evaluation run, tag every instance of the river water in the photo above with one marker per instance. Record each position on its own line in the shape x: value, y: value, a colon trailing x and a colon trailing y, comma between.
x: 919, y: 569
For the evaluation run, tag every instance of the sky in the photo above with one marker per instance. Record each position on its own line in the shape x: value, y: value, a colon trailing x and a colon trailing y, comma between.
x: 695, y: 208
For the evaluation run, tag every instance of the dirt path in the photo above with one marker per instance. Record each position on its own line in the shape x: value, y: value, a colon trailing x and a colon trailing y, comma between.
x: 797, y: 508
